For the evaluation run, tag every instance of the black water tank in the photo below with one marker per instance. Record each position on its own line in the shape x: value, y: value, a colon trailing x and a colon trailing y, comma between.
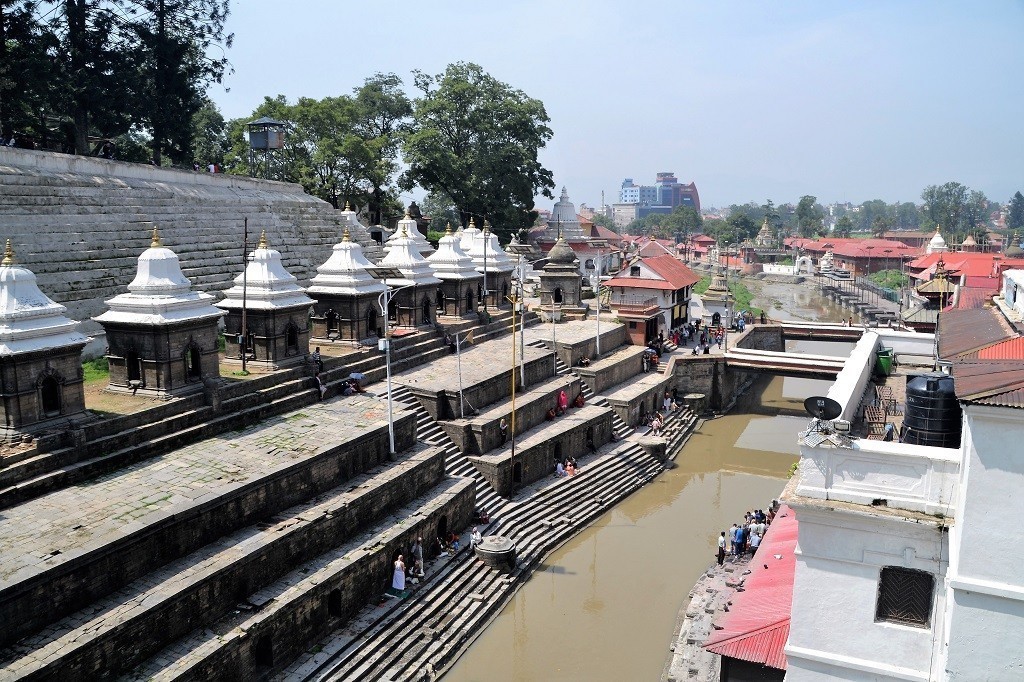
x: 933, y: 412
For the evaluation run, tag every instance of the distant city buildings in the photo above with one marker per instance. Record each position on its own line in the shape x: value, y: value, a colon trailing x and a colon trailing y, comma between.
x: 664, y: 196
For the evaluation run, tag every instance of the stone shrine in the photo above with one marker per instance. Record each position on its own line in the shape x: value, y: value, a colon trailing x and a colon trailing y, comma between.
x: 414, y: 299
x: 161, y: 335
x: 276, y: 312
x: 495, y: 265
x: 717, y: 301
x: 459, y: 278
x: 345, y: 295
x: 408, y: 223
x: 560, y: 284
x: 40, y: 353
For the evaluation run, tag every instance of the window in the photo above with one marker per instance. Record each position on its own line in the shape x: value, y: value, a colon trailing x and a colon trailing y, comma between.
x: 905, y: 596
x: 634, y: 271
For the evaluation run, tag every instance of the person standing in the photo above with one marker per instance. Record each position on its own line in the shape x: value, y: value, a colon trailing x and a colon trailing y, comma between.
x: 475, y: 538
x: 317, y: 360
x: 503, y: 427
x: 417, y: 554
x: 398, y: 577
x: 721, y: 548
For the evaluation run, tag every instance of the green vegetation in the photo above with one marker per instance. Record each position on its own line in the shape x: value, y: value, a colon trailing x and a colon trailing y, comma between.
x: 742, y: 296
x: 890, y: 279
x: 93, y: 370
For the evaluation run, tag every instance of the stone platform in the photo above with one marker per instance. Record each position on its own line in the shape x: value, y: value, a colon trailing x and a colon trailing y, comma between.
x: 60, y: 551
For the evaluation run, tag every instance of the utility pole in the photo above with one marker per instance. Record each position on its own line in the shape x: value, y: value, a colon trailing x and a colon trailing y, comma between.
x: 243, y: 342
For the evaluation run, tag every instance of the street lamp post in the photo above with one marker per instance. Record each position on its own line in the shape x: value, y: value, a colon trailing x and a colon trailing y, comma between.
x: 728, y: 302
x: 384, y: 301
x: 599, y: 244
x: 514, y: 300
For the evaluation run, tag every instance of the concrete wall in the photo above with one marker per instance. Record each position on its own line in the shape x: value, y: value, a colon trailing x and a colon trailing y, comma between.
x: 833, y: 632
x: 760, y: 337
x: 986, y: 612
x: 852, y: 381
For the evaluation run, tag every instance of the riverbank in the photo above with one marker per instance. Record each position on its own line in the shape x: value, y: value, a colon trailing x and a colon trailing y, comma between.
x: 708, y: 600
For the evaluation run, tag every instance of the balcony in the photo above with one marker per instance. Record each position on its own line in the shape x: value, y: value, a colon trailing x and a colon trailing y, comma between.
x: 635, y: 306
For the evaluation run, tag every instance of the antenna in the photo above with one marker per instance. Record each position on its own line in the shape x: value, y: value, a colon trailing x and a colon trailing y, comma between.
x: 823, y: 408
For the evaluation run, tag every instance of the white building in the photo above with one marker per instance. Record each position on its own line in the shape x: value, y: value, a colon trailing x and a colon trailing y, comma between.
x: 907, y: 567
x: 652, y: 296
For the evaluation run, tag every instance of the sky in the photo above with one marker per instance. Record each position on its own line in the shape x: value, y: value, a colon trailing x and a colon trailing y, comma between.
x: 847, y: 101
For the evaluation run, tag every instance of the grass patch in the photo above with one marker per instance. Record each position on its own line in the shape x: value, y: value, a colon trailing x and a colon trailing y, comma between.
x: 742, y: 296
x: 93, y: 370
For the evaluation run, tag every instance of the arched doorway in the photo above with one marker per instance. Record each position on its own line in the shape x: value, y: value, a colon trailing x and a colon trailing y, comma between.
x: 441, y: 302
x: 469, y: 301
x: 393, y: 310
x: 291, y: 339
x: 132, y: 366
x: 193, y: 362
x: 334, y: 603
x: 332, y: 321
x: 558, y: 452
x: 556, y: 295
x: 442, y: 527
x: 263, y: 652
x: 371, y: 321
x: 716, y: 319
x: 504, y: 291
x: 49, y: 391
x: 517, y: 473
x: 426, y: 310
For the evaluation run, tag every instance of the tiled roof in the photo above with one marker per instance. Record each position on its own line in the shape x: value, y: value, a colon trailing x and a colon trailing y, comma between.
x: 960, y: 332
x: 973, y: 297
x: 992, y: 382
x: 674, y: 275
x: 757, y: 626
x: 969, y: 264
x: 855, y: 248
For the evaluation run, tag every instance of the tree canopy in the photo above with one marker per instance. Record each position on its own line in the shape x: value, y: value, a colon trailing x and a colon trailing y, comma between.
x: 76, y: 71
x: 809, y: 216
x: 476, y: 140
x: 1015, y: 215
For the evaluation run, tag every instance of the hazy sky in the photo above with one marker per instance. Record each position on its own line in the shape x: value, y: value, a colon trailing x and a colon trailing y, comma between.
x: 845, y: 101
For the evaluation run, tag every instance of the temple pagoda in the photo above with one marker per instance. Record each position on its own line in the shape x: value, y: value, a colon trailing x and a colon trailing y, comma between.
x: 346, y: 296
x: 40, y: 354
x: 459, y: 278
x: 494, y: 264
x: 161, y: 335
x: 276, y: 312
x: 416, y: 288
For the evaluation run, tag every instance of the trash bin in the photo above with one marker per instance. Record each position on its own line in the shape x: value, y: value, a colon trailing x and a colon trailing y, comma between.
x: 884, y: 361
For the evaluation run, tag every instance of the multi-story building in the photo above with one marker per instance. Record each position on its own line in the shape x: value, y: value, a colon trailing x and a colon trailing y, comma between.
x: 631, y: 193
x: 667, y: 191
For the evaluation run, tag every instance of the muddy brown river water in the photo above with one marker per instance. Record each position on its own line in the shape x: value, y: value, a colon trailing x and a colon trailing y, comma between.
x: 603, y: 607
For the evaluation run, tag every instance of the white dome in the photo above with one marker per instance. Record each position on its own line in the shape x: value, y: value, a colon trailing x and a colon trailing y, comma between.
x: 267, y: 285
x: 487, y: 253
x: 564, y: 220
x: 469, y: 236
x: 413, y: 231
x: 29, y: 320
x: 407, y: 259
x: 937, y: 243
x: 450, y: 261
x: 159, y: 294
x: 345, y: 272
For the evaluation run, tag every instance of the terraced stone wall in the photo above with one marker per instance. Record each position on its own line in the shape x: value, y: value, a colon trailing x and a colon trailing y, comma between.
x: 80, y: 224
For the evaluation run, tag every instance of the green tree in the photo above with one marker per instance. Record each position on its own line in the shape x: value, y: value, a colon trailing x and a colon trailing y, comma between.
x: 880, y: 226
x: 907, y: 216
x: 1015, y: 214
x: 744, y: 225
x: 604, y: 221
x: 209, y: 135
x: 381, y: 117
x: 172, y: 46
x: 808, y: 215
x: 26, y: 73
x: 844, y: 227
x: 441, y: 210
x: 476, y: 140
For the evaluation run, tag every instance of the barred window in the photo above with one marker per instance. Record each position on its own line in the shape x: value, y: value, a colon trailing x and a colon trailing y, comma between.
x: 905, y: 596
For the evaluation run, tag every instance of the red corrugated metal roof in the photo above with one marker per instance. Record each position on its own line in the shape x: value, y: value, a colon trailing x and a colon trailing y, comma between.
x: 757, y: 626
x: 1011, y: 349
x: 674, y: 275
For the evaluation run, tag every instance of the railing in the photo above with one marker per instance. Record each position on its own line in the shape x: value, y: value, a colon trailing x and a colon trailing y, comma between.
x: 878, y: 290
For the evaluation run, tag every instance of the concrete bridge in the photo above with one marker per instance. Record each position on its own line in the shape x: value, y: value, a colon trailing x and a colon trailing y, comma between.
x: 789, y: 364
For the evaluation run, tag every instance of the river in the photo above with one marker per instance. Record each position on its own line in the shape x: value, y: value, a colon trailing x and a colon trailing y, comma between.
x: 603, y: 606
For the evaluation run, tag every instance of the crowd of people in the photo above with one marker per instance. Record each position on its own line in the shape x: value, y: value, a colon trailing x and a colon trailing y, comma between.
x: 746, y: 535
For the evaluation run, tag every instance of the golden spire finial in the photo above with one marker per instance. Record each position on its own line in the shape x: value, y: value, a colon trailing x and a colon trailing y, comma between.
x: 345, y: 236
x: 263, y: 240
x: 8, y: 254
x: 472, y: 223
x: 155, y: 243
x: 487, y: 226
x: 448, y: 230
x: 405, y: 233
x: 348, y: 206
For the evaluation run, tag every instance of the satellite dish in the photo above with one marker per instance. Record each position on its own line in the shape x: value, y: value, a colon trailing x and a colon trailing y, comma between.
x: 822, y: 407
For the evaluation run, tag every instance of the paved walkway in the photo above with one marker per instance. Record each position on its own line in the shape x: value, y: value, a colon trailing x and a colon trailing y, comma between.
x: 479, y: 363
x: 47, y: 531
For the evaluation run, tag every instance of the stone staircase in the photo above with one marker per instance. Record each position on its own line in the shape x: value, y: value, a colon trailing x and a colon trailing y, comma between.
x: 419, y: 637
x: 98, y: 215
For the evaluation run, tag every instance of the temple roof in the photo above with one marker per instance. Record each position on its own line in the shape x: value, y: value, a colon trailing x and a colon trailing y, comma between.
x: 561, y: 253
x: 345, y: 273
x: 405, y: 257
x: 29, y: 320
x: 564, y: 221
x: 159, y: 294
x: 487, y: 253
x: 413, y: 231
x: 469, y: 235
x: 450, y: 262
x: 267, y: 285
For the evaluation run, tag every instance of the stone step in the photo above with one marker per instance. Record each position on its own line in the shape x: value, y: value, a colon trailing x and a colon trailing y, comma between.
x: 118, y: 631
x: 99, y: 537
x: 307, y: 603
